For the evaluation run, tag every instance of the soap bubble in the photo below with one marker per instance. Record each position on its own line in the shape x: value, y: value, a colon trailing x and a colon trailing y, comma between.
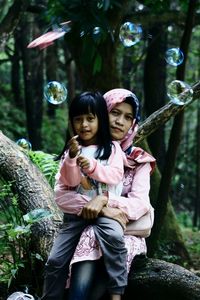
x: 96, y: 30
x: 97, y: 34
x: 20, y: 296
x: 55, y: 92
x: 130, y: 34
x: 179, y: 92
x: 24, y: 144
x: 100, y: 4
x: 174, y: 57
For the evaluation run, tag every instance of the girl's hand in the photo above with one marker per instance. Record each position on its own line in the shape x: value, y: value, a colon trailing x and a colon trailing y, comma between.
x: 83, y: 162
x: 74, y: 147
x: 93, y: 207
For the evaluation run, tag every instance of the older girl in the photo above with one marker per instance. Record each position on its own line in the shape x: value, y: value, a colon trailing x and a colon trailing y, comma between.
x: 88, y: 281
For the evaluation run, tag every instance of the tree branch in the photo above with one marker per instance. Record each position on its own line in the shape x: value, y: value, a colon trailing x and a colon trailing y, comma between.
x: 11, y: 20
x: 162, y: 115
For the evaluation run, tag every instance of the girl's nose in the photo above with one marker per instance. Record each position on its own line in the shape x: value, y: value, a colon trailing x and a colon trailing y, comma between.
x: 84, y: 123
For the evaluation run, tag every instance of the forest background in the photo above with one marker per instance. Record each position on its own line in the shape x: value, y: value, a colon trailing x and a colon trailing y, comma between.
x: 86, y: 59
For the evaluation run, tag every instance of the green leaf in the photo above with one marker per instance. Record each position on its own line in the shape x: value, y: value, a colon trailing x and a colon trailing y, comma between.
x: 37, y: 215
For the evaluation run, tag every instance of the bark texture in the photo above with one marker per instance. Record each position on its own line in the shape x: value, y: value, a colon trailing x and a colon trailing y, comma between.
x: 32, y: 188
x: 155, y: 279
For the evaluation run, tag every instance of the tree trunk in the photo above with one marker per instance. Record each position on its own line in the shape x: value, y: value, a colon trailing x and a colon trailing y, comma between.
x: 15, y: 73
x: 154, y: 279
x: 159, y: 280
x: 170, y: 236
x: 33, y: 83
x: 196, y: 218
x: 51, y: 66
x: 32, y: 188
x: 11, y: 20
x: 155, y: 94
x: 87, y: 53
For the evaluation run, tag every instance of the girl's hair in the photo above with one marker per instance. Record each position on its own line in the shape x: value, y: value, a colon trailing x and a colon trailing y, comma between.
x: 92, y: 102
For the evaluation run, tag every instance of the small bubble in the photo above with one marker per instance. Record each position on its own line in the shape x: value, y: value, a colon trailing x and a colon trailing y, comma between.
x: 20, y: 296
x: 24, y: 144
x: 179, y: 92
x: 130, y: 34
x: 96, y: 30
x: 100, y: 4
x: 55, y: 92
x: 174, y: 57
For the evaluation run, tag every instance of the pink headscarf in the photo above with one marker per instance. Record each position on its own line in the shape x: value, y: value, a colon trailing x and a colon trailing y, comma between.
x: 117, y: 96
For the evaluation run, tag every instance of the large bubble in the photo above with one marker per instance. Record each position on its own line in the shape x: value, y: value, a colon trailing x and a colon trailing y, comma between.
x: 24, y: 144
x: 174, y: 57
x: 130, y: 34
x: 179, y: 92
x: 20, y: 296
x: 55, y: 92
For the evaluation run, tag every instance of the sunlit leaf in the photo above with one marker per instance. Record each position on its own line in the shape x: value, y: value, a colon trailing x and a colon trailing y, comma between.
x: 37, y: 215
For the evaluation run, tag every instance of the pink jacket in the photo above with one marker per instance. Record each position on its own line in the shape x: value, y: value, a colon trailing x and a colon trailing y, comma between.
x: 134, y: 200
x: 65, y: 195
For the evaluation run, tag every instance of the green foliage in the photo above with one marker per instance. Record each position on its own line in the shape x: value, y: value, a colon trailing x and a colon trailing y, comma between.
x: 9, y: 115
x: 15, y: 235
x: 46, y: 164
x: 54, y: 130
x: 85, y: 17
x: 192, y: 240
x: 167, y: 252
x: 185, y: 219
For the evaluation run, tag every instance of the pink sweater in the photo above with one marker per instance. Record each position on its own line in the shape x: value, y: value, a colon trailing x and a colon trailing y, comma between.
x: 69, y: 176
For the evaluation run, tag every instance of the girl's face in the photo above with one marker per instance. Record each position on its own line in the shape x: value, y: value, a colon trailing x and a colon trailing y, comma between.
x: 121, y: 119
x: 86, y: 126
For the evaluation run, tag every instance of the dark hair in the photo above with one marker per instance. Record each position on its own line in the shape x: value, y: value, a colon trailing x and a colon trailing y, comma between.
x: 92, y: 102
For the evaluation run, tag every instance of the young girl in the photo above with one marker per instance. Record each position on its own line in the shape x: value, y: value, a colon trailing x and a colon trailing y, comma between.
x: 91, y: 166
x: 86, y: 165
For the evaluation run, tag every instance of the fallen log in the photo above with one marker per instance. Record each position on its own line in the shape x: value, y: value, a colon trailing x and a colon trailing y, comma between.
x: 154, y: 279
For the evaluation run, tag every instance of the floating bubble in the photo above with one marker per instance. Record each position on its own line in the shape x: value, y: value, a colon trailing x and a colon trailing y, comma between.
x: 100, y: 4
x: 24, y: 144
x: 96, y: 30
x: 174, y: 57
x: 179, y: 92
x: 130, y: 34
x: 55, y: 92
x: 20, y: 296
x: 97, y: 34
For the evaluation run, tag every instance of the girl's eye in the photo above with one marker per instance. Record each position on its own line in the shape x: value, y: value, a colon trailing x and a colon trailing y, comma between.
x: 90, y: 119
x: 77, y: 119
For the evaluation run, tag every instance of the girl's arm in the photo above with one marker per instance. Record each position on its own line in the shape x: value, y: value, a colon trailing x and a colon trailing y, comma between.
x: 137, y: 202
x: 68, y: 200
x: 69, y: 172
x: 111, y: 173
